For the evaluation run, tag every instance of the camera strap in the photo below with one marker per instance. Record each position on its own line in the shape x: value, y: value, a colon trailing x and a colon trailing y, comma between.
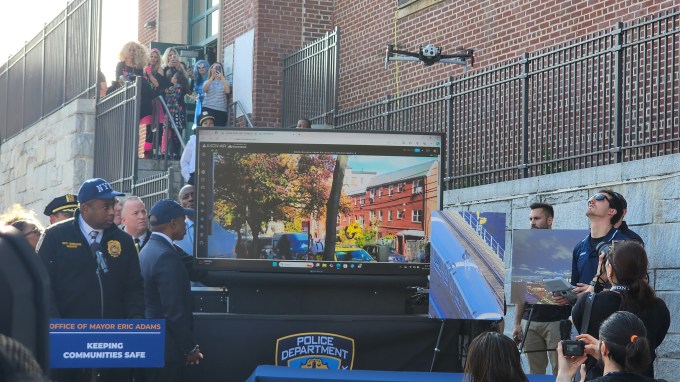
x: 586, y: 312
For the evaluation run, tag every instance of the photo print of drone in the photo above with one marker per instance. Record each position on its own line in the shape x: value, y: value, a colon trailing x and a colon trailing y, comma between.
x: 430, y: 54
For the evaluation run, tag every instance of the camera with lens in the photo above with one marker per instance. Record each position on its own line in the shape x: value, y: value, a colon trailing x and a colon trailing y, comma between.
x: 573, y: 348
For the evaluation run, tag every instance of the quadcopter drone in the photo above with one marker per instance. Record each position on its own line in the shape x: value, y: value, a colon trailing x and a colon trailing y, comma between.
x: 429, y: 54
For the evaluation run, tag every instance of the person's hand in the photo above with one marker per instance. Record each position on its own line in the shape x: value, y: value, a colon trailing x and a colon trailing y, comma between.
x: 194, y: 357
x: 592, y: 345
x: 517, y: 333
x: 580, y: 289
x: 567, y: 366
x: 559, y: 299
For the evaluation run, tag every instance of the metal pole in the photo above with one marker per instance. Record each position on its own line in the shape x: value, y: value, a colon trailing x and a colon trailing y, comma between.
x: 525, y: 115
x: 618, y: 93
x: 449, y: 137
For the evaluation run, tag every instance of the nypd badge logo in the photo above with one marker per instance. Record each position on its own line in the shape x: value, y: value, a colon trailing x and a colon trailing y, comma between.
x: 315, y: 351
x: 113, y: 247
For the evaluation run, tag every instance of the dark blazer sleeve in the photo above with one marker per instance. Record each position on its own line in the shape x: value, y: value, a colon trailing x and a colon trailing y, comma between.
x: 46, y: 252
x: 172, y: 281
x: 577, y: 312
x: 133, y: 285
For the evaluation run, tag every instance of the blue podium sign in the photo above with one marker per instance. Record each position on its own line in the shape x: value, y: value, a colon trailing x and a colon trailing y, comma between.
x: 90, y: 343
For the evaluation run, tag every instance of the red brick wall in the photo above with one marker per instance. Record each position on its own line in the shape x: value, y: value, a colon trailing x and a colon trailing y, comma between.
x: 281, y: 27
x: 498, y: 31
x: 148, y: 10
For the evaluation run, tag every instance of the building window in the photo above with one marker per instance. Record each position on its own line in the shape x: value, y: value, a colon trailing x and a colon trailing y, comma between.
x: 361, y: 220
x: 204, y: 21
x: 372, y: 194
x: 389, y: 216
x: 361, y: 201
x: 371, y: 215
x: 380, y: 215
x: 417, y: 216
x: 400, y: 214
x: 400, y: 187
x: 391, y: 191
x: 417, y: 186
x: 380, y: 192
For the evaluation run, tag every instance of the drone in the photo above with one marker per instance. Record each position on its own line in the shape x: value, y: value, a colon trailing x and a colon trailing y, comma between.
x: 429, y: 54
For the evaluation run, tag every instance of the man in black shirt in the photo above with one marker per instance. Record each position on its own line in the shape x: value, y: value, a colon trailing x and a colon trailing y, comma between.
x: 543, y: 334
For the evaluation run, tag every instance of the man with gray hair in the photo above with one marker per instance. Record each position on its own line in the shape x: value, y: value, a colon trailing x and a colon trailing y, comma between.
x: 134, y: 220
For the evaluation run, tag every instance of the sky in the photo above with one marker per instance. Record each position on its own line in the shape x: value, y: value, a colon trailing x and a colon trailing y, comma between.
x: 20, y: 23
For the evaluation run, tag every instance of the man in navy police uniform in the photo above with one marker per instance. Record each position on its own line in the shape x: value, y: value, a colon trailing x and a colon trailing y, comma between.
x: 93, y: 267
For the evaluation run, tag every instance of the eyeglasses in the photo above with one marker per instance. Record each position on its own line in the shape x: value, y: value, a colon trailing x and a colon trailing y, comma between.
x: 35, y: 230
x: 600, y: 197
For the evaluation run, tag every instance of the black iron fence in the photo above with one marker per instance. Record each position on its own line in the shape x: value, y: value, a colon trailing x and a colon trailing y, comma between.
x: 607, y: 98
x: 117, y: 135
x: 310, y: 82
x: 55, y: 67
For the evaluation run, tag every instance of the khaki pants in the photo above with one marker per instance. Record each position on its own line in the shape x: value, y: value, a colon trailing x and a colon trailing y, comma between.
x: 541, y: 336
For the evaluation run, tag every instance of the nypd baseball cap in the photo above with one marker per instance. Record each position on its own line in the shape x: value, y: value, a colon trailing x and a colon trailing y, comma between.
x: 96, y: 188
x: 163, y: 211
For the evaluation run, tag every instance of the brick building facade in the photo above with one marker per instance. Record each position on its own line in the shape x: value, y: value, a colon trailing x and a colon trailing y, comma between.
x: 498, y: 32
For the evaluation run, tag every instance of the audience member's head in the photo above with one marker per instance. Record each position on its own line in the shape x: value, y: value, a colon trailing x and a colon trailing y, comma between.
x: 506, y: 364
x: 201, y: 71
x: 304, y: 124
x: 61, y: 208
x: 623, y: 342
x: 186, y: 197
x: 171, y: 58
x: 206, y: 120
x: 17, y: 364
x: 133, y: 216
x: 155, y: 60
x: 134, y: 53
x: 541, y: 216
x: 25, y: 221
x: 626, y: 267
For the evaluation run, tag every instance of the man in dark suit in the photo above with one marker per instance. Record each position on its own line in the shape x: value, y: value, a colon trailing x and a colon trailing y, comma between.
x: 168, y: 292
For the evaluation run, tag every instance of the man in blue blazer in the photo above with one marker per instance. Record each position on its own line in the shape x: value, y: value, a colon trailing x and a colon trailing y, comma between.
x: 167, y: 291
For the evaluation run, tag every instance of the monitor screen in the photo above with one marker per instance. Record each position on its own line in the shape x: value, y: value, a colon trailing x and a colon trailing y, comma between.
x: 315, y: 200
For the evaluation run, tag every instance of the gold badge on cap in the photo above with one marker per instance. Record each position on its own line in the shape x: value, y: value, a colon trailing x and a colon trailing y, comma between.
x: 114, y: 248
x: 70, y: 198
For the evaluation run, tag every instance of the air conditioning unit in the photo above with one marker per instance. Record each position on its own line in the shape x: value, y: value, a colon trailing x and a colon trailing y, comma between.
x: 418, y: 190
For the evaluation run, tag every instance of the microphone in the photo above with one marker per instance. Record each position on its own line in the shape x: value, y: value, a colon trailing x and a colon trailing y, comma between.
x: 101, y: 262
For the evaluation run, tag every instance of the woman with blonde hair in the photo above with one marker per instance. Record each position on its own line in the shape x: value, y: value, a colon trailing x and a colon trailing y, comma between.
x: 25, y: 221
x: 133, y: 57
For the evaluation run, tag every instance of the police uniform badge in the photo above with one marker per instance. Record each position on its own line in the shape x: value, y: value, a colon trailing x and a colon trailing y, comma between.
x: 113, y: 247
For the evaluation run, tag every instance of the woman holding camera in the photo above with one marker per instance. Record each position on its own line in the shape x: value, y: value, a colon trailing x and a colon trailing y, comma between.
x: 625, y: 267
x: 623, y: 350
x: 216, y: 89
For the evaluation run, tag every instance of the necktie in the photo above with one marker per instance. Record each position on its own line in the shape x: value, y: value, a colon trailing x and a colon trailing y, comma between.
x: 138, y: 244
x: 94, y: 246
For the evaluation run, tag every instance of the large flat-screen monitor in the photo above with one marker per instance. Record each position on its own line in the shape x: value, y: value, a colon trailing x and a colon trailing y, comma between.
x: 316, y: 200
